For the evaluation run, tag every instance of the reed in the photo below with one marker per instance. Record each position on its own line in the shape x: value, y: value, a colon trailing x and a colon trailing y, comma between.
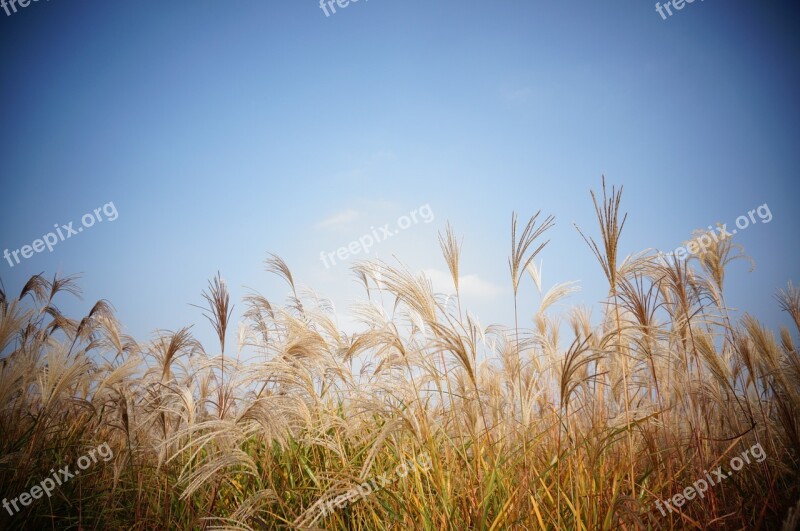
x: 570, y: 423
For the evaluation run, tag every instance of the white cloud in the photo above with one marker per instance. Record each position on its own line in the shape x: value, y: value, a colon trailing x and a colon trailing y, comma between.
x: 336, y: 220
x: 516, y: 94
x: 383, y: 155
x: 471, y: 286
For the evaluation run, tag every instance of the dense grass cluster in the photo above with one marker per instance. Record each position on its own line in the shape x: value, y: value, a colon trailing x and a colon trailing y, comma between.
x: 566, y: 423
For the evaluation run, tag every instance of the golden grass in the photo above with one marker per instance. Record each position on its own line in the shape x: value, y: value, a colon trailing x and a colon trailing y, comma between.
x: 527, y: 427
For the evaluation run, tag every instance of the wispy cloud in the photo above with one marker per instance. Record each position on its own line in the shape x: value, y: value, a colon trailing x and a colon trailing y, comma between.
x: 383, y: 155
x: 516, y: 94
x: 471, y: 286
x: 338, y: 219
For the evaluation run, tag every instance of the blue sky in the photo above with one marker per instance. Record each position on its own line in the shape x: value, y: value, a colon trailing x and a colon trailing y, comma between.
x: 222, y: 131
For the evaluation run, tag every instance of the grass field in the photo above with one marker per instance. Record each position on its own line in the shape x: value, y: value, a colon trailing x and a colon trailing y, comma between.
x: 426, y: 419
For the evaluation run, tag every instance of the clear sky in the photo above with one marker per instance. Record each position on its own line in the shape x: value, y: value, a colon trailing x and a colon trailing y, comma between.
x: 225, y: 130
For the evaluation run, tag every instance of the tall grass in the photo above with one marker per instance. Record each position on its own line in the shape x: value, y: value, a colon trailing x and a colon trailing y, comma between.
x: 560, y: 421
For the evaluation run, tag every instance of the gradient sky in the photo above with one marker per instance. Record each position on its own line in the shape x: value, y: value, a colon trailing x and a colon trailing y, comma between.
x: 222, y: 131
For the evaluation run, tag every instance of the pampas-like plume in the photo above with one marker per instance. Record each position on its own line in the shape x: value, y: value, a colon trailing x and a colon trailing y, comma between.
x: 789, y: 300
x: 547, y: 426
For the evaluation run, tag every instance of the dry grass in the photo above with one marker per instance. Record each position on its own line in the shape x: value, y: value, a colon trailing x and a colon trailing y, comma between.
x: 562, y: 424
